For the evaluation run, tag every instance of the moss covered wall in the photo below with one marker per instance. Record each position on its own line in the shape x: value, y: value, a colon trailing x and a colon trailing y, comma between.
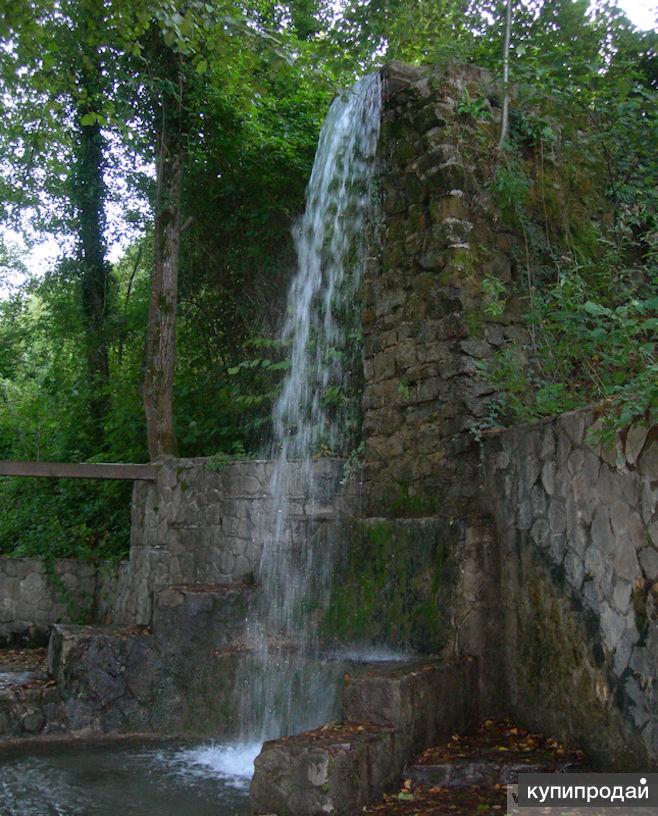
x: 429, y: 320
x: 396, y: 585
x: 559, y: 603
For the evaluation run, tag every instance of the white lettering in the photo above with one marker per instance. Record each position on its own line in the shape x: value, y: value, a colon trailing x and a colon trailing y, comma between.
x: 617, y: 793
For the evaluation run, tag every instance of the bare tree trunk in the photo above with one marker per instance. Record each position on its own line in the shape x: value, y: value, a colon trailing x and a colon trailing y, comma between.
x: 505, y: 112
x: 161, y: 333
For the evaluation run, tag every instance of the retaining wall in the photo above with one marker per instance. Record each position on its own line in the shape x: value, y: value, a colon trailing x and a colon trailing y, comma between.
x: 428, y: 321
x: 206, y: 524
x: 197, y: 524
x: 31, y: 599
x: 578, y: 537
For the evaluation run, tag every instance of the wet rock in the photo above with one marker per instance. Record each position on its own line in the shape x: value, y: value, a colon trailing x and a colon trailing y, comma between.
x: 336, y: 771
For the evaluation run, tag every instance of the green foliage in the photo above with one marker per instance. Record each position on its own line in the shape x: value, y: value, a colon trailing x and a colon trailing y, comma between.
x: 510, y: 186
x: 494, y: 302
x: 576, y: 183
x: 252, y: 122
x: 527, y: 129
x: 476, y: 108
x: 43, y: 416
x: 585, y: 352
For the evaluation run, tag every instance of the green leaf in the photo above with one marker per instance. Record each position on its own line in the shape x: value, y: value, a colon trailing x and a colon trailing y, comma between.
x: 202, y: 67
x: 595, y: 309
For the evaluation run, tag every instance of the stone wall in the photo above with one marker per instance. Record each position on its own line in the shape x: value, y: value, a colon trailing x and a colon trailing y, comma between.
x: 206, y: 524
x: 197, y: 524
x: 426, y: 321
x: 557, y: 597
x: 31, y: 599
x: 578, y: 537
x: 174, y: 677
x: 422, y: 586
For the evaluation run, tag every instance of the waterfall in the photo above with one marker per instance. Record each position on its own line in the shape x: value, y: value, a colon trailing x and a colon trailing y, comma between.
x: 283, y: 685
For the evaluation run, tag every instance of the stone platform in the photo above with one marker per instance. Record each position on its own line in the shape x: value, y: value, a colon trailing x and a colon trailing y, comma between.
x: 390, y: 711
x: 173, y: 677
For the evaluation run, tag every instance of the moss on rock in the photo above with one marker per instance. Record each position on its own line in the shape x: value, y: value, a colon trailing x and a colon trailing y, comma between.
x: 396, y: 585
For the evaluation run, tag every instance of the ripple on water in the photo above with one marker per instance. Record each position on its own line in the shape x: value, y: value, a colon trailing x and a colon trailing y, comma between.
x: 126, y: 779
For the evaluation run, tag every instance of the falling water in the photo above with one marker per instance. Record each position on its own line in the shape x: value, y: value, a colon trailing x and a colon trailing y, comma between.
x: 283, y: 685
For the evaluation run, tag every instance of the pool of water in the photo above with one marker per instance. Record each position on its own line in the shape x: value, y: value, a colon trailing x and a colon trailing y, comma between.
x: 125, y: 779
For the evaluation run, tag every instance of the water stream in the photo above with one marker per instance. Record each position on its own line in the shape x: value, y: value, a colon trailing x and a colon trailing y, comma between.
x: 123, y: 777
x: 284, y: 685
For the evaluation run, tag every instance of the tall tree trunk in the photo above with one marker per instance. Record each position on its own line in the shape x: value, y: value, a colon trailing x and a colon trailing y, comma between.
x: 504, y: 117
x: 88, y: 195
x: 161, y: 333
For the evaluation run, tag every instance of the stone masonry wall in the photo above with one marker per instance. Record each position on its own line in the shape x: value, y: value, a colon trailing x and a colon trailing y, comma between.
x: 198, y: 524
x: 205, y: 524
x: 30, y: 600
x: 425, y: 321
x: 569, y: 572
x: 578, y: 537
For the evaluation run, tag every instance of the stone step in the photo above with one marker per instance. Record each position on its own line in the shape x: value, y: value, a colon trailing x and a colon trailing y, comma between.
x: 390, y: 712
x: 70, y: 644
x: 469, y: 772
x: 494, y: 753
x: 201, y: 618
x: 425, y: 701
x: 176, y: 676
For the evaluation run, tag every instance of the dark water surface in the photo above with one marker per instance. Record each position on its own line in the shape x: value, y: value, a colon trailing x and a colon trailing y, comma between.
x: 124, y: 779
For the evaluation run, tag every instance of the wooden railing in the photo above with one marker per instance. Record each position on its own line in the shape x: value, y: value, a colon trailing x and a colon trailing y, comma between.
x: 82, y: 470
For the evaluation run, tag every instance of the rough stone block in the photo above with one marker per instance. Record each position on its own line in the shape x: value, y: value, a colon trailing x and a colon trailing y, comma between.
x: 200, y: 618
x: 431, y: 117
x: 331, y: 770
x: 423, y: 703
x: 649, y: 562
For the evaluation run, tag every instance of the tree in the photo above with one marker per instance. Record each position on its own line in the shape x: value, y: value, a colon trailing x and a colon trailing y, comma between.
x: 504, y: 116
x: 88, y: 196
x: 171, y: 133
x: 185, y: 42
x: 61, y: 51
